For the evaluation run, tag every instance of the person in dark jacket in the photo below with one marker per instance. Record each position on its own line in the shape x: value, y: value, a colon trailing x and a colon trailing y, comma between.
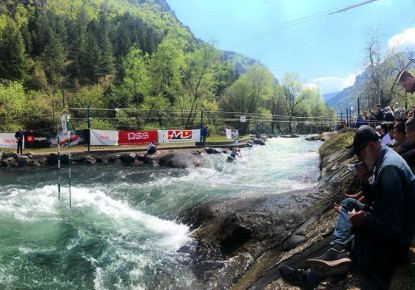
x: 19, y: 140
x: 379, y: 114
x: 375, y: 236
x: 204, y: 133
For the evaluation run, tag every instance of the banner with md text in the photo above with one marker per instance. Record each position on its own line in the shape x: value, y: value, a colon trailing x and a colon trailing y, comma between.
x: 137, y: 137
x: 104, y: 137
x: 181, y: 136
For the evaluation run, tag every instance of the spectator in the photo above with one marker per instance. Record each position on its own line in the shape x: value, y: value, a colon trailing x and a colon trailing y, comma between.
x: 204, y: 134
x: 151, y: 148
x: 389, y: 116
x: 378, y: 130
x: 387, y: 138
x: 377, y: 233
x: 19, y: 140
x: 401, y: 143
x: 407, y: 81
x: 409, y: 155
x: 379, y: 114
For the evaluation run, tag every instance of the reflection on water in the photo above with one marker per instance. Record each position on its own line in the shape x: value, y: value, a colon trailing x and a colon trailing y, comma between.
x: 121, y: 232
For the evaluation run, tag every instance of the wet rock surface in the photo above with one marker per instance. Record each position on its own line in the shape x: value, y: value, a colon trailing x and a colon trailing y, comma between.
x: 240, y: 243
x: 174, y: 159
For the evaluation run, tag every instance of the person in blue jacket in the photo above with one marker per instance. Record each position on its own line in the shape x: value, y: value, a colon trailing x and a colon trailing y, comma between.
x: 373, y: 236
x: 204, y: 133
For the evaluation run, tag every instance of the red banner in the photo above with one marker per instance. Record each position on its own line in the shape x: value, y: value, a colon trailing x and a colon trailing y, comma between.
x: 136, y: 137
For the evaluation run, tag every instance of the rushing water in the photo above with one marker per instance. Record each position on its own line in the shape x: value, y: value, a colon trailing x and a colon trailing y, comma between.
x: 120, y: 232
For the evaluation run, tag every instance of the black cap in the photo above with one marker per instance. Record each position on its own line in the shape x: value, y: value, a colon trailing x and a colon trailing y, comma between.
x: 363, y: 136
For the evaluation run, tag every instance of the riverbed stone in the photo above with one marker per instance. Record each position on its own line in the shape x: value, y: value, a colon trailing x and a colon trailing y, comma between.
x: 180, y: 160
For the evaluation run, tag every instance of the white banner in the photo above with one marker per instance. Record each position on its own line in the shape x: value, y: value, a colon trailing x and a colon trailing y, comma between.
x: 160, y: 134
x: 64, y: 124
x: 228, y: 133
x: 232, y: 134
x: 104, y: 137
x: 7, y: 140
x: 181, y: 136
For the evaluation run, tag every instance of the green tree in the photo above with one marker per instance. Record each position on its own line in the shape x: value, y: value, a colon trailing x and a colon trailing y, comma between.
x: 249, y: 92
x: 198, y: 82
x: 277, y: 106
x: 13, y: 60
x: 54, y: 59
x: 294, y: 97
x: 12, y: 104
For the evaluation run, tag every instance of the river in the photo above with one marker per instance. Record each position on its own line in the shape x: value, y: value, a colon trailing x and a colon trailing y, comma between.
x: 121, y: 231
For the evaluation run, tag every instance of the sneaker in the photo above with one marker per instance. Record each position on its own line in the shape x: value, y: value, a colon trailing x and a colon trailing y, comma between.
x: 335, y: 261
x: 295, y: 277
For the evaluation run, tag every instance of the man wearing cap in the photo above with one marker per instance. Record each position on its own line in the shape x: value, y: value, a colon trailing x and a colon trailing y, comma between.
x: 407, y: 81
x: 379, y: 233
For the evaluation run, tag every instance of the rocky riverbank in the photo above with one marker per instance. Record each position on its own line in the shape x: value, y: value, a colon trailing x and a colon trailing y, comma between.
x: 241, y: 242
x: 176, y: 158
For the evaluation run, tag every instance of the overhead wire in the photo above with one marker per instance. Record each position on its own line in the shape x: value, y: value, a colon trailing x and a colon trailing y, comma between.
x: 298, y: 21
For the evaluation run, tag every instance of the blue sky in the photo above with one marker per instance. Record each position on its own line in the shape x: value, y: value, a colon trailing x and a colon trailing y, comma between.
x: 324, y: 50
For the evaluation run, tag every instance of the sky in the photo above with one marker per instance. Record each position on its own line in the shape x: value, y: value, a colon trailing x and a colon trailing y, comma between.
x: 302, y: 36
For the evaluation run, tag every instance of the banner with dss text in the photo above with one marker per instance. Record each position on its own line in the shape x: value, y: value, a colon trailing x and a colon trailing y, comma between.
x: 181, y: 136
x: 137, y: 137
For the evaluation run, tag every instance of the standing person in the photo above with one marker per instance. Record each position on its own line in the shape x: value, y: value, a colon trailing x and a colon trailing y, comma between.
x: 19, y: 140
x: 204, y: 134
x: 379, y: 114
x: 407, y: 81
x: 378, y: 234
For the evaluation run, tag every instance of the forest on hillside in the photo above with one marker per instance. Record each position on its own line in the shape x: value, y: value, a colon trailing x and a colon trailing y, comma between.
x: 135, y: 67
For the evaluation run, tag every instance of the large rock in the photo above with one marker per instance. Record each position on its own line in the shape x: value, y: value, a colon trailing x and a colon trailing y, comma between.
x: 180, y: 160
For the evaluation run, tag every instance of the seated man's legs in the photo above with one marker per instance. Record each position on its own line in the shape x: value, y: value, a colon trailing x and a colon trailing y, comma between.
x: 343, y: 230
x: 336, y: 260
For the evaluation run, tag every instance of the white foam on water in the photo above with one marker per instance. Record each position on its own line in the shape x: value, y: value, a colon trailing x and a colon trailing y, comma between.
x: 29, y: 205
x: 126, y: 219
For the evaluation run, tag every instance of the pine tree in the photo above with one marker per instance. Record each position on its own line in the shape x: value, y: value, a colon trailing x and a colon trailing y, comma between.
x: 13, y: 60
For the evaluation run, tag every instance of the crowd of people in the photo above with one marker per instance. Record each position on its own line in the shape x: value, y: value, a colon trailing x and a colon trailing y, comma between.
x: 375, y: 227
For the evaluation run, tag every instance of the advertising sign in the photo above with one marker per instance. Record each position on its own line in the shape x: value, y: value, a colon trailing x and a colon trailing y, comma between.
x: 104, y: 137
x: 7, y: 140
x: 136, y: 137
x: 181, y: 136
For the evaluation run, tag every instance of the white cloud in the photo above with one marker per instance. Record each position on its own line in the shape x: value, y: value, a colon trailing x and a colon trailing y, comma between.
x: 401, y: 41
x: 332, y: 84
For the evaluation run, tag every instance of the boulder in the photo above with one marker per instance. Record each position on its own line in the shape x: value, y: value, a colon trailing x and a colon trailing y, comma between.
x: 128, y: 158
x: 180, y: 160
x: 211, y: 150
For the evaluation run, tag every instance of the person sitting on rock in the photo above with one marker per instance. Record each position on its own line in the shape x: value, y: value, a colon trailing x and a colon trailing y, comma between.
x: 151, y: 148
x: 377, y: 234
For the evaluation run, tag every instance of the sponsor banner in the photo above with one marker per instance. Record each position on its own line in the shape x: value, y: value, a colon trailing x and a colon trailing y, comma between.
x: 7, y: 140
x: 160, y: 134
x: 232, y: 134
x: 36, y: 140
x: 104, y: 137
x: 64, y: 124
x: 181, y: 136
x: 136, y: 137
x: 76, y: 138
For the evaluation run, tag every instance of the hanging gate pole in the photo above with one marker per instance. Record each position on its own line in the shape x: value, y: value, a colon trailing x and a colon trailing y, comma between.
x: 69, y: 162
